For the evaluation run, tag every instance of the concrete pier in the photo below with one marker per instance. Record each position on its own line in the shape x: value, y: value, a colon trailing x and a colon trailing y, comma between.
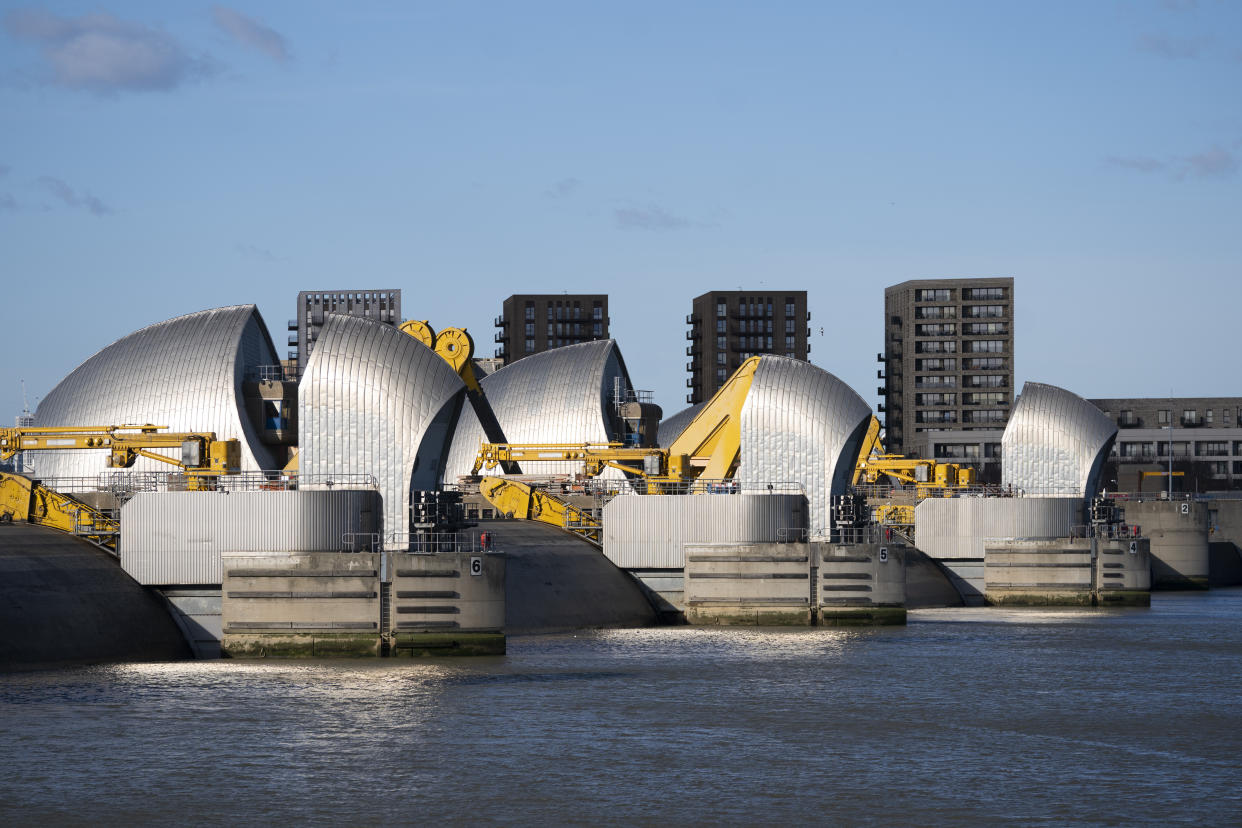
x: 799, y: 584
x: 1068, y: 571
x: 323, y: 605
x: 1178, y: 531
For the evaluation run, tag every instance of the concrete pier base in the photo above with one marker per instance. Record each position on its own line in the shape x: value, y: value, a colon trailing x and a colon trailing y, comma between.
x: 1067, y: 572
x: 354, y: 605
x: 794, y: 584
x: 1178, y: 530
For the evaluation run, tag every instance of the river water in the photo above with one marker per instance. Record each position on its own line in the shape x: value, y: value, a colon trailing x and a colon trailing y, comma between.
x: 1040, y: 717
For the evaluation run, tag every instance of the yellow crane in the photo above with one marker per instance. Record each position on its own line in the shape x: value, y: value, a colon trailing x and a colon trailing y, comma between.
x: 708, y: 448
x: 929, y: 477
x: 518, y: 500
x: 203, y: 457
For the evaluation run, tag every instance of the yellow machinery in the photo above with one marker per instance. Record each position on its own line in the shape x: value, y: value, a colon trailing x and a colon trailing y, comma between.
x: 203, y: 457
x: 928, y: 476
x: 24, y: 499
x: 518, y: 500
x: 1144, y: 475
x: 456, y: 347
x: 708, y: 448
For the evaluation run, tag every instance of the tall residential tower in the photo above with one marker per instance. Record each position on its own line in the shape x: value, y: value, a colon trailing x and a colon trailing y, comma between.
x: 534, y: 322
x: 948, y: 367
x: 728, y: 326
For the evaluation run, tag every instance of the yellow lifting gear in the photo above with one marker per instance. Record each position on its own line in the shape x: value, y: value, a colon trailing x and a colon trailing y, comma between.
x: 24, y: 499
x: 456, y: 347
x: 708, y: 448
x: 203, y: 457
x: 517, y: 500
x: 929, y: 477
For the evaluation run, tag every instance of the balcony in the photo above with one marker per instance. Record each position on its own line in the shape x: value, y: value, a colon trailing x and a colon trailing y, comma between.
x: 500, y: 322
x: 293, y: 324
x: 499, y: 337
x: 1193, y: 421
x: 293, y: 339
x: 693, y: 335
x: 691, y: 318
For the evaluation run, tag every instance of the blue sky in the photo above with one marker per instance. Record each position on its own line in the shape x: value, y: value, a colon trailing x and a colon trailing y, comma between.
x: 158, y: 159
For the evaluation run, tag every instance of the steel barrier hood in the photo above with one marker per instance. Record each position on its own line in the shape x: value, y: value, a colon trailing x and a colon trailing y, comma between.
x: 802, y: 424
x: 374, y: 400
x: 1055, y: 444
x: 564, y: 395
x: 185, y: 373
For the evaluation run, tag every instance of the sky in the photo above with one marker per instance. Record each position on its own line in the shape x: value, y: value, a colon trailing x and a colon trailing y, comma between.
x: 162, y: 158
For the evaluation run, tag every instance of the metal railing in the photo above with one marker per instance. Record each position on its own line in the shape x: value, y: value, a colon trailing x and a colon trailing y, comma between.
x: 698, y: 486
x: 432, y: 543
x: 124, y: 484
x: 1120, y: 531
x: 272, y: 373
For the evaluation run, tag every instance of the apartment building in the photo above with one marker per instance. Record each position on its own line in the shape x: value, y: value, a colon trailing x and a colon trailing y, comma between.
x: 533, y: 322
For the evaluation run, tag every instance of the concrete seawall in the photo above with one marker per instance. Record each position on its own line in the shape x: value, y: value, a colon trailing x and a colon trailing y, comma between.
x: 64, y: 602
x: 1178, y: 531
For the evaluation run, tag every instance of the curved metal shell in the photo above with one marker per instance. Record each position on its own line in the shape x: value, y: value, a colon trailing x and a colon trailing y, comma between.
x: 374, y: 400
x: 673, y: 425
x: 564, y: 395
x: 185, y: 373
x: 1055, y: 443
x: 802, y: 424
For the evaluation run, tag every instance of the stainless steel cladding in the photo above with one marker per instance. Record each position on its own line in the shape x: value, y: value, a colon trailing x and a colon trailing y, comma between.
x: 1055, y: 443
x: 375, y: 400
x: 185, y: 373
x: 647, y: 531
x: 176, y: 538
x: 672, y: 426
x: 564, y: 395
x: 803, y: 425
x: 956, y: 527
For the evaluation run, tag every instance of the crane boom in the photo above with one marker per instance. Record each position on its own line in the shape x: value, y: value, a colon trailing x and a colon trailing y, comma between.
x: 709, y: 447
x: 202, y: 455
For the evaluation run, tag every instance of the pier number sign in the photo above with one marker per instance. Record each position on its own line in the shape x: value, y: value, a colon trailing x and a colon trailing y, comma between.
x: 476, y: 565
x: 883, y: 554
x: 1133, y: 547
x: 1185, y: 508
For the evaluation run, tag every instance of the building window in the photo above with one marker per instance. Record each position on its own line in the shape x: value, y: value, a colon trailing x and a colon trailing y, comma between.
x: 933, y: 312
x: 720, y: 358
x: 977, y: 328
x: 722, y: 309
x: 986, y: 346
x: 1190, y: 416
x: 530, y: 328
x: 985, y: 415
x: 1218, y: 468
x: 1162, y: 416
x: 1211, y: 449
x: 935, y: 399
x: 984, y: 398
x: 789, y: 307
x: 597, y: 312
x: 935, y: 416
x: 936, y: 329
x: 530, y: 346
x: 721, y: 374
x: 1180, y: 449
x: 721, y: 343
x: 1207, y: 416
x: 929, y: 295
x: 984, y: 293
x: 530, y: 311
x: 935, y: 347
x: 598, y: 328
x: 992, y: 451
x: 720, y: 326
x: 977, y: 311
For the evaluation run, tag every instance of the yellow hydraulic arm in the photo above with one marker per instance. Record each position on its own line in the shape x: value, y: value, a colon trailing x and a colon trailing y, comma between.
x: 24, y: 499
x: 517, y: 500
x: 709, y: 447
x: 927, y: 475
x: 202, y: 455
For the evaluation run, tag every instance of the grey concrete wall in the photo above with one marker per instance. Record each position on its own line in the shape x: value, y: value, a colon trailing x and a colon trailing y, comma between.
x: 64, y: 601
x: 794, y: 583
x: 454, y: 591
x: 1064, y: 571
x: 1178, y: 531
x: 317, y: 604
x: 764, y: 583
x: 1225, y: 543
